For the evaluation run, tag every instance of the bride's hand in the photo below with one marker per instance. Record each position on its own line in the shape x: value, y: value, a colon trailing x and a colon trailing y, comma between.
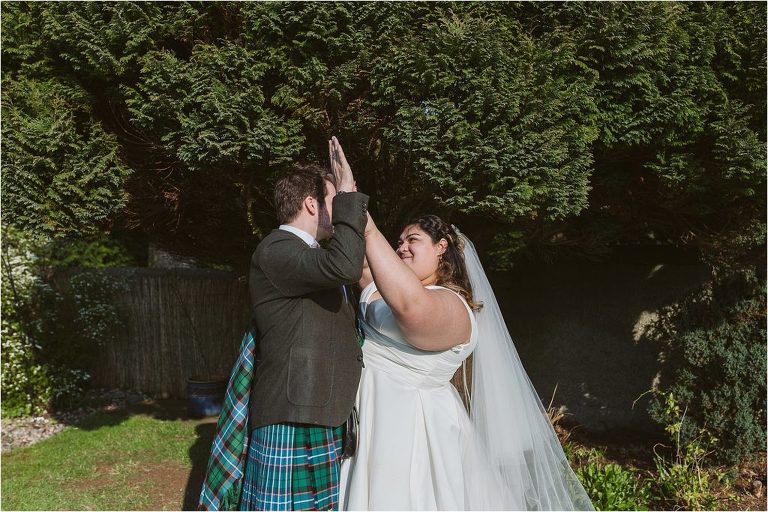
x: 342, y: 173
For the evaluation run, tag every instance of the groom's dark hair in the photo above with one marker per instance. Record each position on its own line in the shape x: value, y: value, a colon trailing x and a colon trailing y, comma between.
x: 297, y: 184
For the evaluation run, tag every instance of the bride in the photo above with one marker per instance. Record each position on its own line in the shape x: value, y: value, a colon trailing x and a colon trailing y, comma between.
x: 424, y: 309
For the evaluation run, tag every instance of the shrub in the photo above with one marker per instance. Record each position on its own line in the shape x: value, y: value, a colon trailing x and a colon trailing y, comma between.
x: 25, y: 384
x: 74, y: 316
x: 714, y: 365
x: 50, y: 327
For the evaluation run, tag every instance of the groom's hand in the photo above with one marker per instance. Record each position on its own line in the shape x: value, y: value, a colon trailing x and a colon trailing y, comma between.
x: 342, y: 173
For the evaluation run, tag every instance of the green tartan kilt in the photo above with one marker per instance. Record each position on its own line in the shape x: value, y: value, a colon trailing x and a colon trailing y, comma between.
x: 293, y: 467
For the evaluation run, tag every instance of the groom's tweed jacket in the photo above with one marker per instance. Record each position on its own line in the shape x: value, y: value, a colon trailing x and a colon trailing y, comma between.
x: 309, y: 360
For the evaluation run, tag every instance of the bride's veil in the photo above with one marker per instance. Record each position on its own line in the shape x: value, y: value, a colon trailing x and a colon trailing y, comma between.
x: 511, y: 425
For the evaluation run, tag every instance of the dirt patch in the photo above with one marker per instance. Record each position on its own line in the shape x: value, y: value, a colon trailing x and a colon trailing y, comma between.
x: 100, y: 481
x: 166, y: 484
x: 748, y: 489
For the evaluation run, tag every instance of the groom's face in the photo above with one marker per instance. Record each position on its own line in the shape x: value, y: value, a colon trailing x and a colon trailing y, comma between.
x: 325, y: 213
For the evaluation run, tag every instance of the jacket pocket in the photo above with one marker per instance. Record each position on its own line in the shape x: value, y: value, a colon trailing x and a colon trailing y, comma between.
x: 310, y: 375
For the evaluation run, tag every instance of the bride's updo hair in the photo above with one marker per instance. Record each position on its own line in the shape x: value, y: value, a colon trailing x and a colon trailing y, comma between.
x: 451, y: 271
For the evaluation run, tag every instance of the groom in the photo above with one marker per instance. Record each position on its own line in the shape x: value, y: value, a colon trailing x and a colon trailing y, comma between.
x: 305, y: 384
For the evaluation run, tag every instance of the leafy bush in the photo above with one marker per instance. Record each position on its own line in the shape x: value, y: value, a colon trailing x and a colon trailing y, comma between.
x: 99, y: 252
x: 72, y: 320
x: 51, y: 326
x: 715, y: 366
x: 611, y: 487
x: 25, y: 383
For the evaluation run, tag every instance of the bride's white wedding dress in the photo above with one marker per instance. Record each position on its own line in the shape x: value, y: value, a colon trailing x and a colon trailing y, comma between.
x: 415, y: 450
x: 419, y: 450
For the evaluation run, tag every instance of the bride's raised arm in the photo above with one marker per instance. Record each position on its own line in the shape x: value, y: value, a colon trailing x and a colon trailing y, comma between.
x: 431, y: 319
x: 366, y: 278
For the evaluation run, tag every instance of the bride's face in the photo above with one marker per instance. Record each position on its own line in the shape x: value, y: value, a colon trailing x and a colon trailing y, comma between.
x: 420, y: 253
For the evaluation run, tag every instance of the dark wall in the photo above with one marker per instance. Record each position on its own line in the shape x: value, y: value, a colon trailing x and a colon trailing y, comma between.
x: 583, y: 328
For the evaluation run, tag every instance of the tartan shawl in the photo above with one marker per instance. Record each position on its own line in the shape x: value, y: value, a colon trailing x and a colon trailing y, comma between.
x: 229, y: 451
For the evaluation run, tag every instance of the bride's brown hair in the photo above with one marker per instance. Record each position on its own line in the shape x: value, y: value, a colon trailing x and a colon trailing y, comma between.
x: 451, y: 271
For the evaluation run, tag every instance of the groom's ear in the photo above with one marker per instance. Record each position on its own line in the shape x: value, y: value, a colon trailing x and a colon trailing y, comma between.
x: 310, y: 203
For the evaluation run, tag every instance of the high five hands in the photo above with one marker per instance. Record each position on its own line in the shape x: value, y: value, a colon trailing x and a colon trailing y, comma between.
x: 342, y: 173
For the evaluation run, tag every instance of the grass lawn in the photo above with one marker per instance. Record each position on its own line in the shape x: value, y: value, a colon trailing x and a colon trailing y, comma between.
x: 148, y: 457
x: 151, y: 456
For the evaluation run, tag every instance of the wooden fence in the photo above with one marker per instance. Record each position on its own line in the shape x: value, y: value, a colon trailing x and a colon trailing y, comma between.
x: 179, y: 323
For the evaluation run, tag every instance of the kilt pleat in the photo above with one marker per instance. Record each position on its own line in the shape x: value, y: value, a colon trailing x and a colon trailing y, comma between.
x: 292, y: 467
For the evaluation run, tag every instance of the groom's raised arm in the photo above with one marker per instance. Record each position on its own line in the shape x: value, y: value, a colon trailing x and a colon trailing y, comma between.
x: 296, y: 269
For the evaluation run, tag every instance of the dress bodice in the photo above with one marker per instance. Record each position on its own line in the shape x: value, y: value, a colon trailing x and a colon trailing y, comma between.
x: 386, y: 348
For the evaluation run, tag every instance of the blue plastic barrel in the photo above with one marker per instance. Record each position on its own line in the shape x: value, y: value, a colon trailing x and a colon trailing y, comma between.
x: 205, y: 396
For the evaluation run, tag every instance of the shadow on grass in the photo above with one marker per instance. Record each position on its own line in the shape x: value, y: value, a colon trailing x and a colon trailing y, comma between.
x: 198, y: 454
x: 167, y: 410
